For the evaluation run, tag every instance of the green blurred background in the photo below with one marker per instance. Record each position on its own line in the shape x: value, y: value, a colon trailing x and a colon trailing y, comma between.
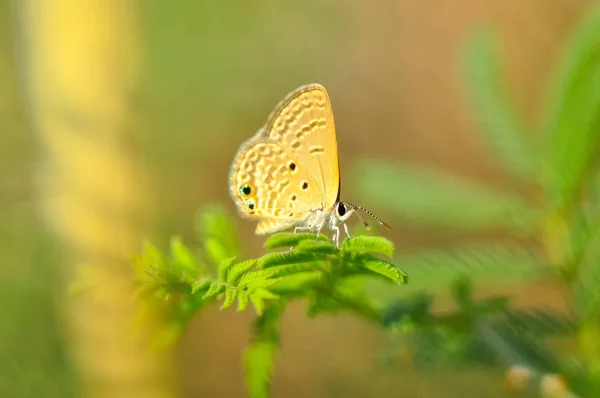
x: 210, y: 72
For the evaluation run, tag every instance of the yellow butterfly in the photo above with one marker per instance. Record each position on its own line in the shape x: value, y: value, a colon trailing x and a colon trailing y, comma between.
x: 287, y: 175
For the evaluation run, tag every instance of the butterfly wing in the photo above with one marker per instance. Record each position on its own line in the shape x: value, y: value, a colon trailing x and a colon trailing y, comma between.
x: 267, y: 183
x: 303, y: 124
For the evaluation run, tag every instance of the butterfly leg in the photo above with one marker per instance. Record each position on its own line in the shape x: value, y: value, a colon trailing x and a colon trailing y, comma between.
x: 301, y: 229
x: 319, y: 228
x: 336, y: 235
x: 346, y: 229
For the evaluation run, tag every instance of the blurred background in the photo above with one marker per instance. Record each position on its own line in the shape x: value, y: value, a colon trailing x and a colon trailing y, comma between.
x: 119, y: 121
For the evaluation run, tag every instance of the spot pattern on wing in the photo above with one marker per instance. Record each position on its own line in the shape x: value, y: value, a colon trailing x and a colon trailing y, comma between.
x: 271, y: 183
x: 303, y: 123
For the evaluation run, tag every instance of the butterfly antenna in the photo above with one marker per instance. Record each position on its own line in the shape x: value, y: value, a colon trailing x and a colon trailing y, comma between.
x: 357, y: 207
x: 366, y: 224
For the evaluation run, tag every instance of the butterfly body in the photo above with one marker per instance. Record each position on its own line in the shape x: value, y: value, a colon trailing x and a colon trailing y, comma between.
x: 287, y: 174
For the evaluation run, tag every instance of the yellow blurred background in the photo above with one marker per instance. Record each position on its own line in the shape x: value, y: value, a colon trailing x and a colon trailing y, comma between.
x: 162, y: 95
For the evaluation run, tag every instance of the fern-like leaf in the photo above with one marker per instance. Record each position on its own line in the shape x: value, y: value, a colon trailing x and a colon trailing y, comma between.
x: 536, y: 322
x: 502, y: 125
x: 283, y: 258
x: 298, y: 282
x: 415, y: 307
x: 216, y: 251
x: 183, y: 258
x: 201, y: 285
x: 441, y: 200
x: 255, y: 280
x: 291, y: 269
x: 152, y: 257
x: 214, y: 290
x: 236, y: 271
x: 368, y: 244
x: 356, y: 301
x: 586, y: 288
x: 432, y: 270
x: 315, y: 269
x: 287, y: 240
x: 379, y: 267
x: 243, y: 300
x: 520, y: 349
x: 265, y: 294
x: 230, y: 295
x: 572, y: 117
x: 258, y: 303
x: 259, y: 356
x: 215, y: 225
x: 223, y: 267
x: 317, y: 246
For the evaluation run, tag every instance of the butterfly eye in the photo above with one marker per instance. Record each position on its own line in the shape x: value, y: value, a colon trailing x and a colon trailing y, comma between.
x: 245, y: 190
x: 341, y: 209
x: 250, y: 203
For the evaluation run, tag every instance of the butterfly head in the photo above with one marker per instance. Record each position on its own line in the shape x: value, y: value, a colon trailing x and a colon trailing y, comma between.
x: 343, y: 211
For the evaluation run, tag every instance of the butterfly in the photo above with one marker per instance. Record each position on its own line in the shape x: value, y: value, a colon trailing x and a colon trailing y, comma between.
x: 287, y: 175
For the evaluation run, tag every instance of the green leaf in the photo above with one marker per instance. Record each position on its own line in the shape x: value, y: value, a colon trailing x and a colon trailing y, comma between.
x: 259, y: 356
x: 528, y: 351
x: 324, y: 303
x: 258, y: 303
x: 370, y: 244
x: 183, y: 257
x: 586, y: 288
x: 264, y: 294
x: 250, y: 283
x: 213, y: 222
x: 294, y: 257
x: 572, y: 117
x: 200, y: 285
x: 415, y: 307
x: 502, y: 124
x: 297, y: 283
x: 242, y: 301
x: 151, y: 256
x: 215, y: 251
x: 435, y: 270
x: 317, y: 246
x: 215, y: 289
x: 236, y: 271
x: 381, y: 268
x: 439, y: 199
x: 536, y: 322
x: 345, y: 294
x: 462, y: 290
x: 290, y: 269
x: 230, y: 295
x: 223, y: 268
x: 259, y: 367
x: 579, y: 232
x: 287, y: 240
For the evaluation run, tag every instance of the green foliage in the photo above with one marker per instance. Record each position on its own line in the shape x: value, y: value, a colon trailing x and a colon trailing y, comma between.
x: 503, y: 126
x: 435, y: 269
x: 586, y: 287
x: 554, y: 234
x: 572, y: 117
x: 430, y: 197
x: 330, y: 278
x: 258, y: 357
